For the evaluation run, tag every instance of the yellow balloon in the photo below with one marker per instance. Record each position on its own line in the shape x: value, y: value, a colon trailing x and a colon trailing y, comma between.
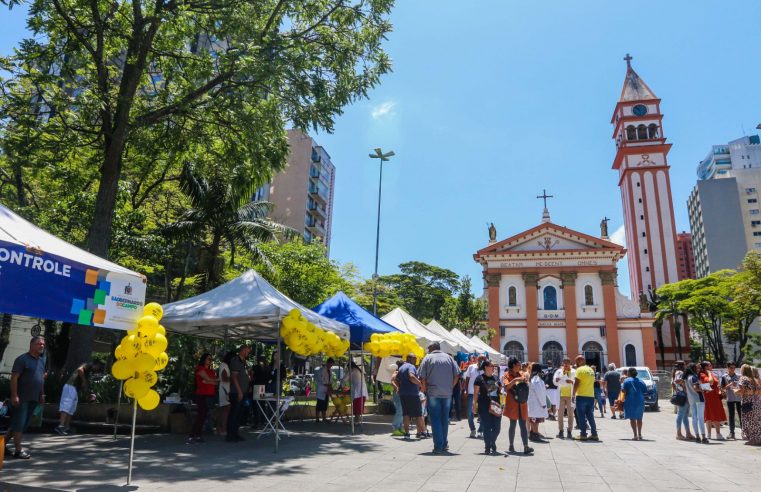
x: 161, y: 361
x: 147, y: 326
x: 132, y: 345
x: 294, y: 313
x: 143, y: 362
x: 149, y: 401
x: 122, y: 370
x: 155, y: 345
x: 153, y: 309
x: 161, y: 330
x: 136, y: 388
x: 119, y: 353
x: 149, y: 377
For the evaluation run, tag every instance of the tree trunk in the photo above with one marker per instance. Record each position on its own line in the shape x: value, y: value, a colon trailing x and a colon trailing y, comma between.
x: 661, y: 348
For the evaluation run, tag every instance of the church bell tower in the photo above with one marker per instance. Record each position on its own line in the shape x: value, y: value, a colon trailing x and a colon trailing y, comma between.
x: 643, y: 171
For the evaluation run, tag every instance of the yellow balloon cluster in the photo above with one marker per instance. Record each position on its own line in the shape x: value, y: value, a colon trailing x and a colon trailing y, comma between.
x: 386, y: 344
x: 304, y: 338
x: 140, y: 355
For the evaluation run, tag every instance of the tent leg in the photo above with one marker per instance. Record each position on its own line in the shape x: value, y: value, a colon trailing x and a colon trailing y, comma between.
x: 351, y: 395
x: 132, y: 442
x: 118, y: 407
x: 226, y: 340
x: 278, y: 386
x: 362, y: 375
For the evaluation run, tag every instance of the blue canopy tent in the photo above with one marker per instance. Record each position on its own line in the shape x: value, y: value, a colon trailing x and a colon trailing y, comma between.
x: 43, y: 276
x: 361, y: 322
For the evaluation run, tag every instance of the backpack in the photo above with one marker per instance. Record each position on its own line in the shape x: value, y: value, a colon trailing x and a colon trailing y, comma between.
x: 549, y: 379
x: 520, y: 392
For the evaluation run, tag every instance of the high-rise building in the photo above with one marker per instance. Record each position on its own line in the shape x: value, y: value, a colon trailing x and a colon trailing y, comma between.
x: 685, y: 256
x: 724, y: 209
x: 302, y: 194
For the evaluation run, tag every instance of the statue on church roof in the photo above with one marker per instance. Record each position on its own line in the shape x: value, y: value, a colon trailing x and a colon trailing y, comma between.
x: 604, y: 228
x: 644, y: 303
x: 492, y: 232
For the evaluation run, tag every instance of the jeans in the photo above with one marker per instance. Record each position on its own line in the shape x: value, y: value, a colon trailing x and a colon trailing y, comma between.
x: 438, y: 413
x: 682, y: 418
x: 698, y: 418
x: 396, y: 423
x: 457, y: 402
x: 471, y: 423
x: 524, y: 432
x: 233, y: 418
x: 565, y: 404
x: 586, y: 407
x: 491, y: 427
x: 734, y: 407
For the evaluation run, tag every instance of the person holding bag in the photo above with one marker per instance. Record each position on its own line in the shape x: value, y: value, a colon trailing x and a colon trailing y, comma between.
x: 516, y: 407
x: 714, y: 408
x: 679, y: 400
x: 486, y: 391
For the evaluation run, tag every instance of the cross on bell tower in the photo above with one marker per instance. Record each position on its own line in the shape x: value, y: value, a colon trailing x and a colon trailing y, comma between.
x: 628, y: 59
x: 546, y: 213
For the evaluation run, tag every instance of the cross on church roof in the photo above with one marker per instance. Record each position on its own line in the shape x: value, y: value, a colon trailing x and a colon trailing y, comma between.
x: 545, y: 196
x: 628, y: 60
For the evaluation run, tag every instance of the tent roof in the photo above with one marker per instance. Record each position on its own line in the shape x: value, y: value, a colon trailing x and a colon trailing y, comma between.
x: 462, y: 338
x: 362, y: 323
x: 484, y: 346
x: 403, y: 321
x: 16, y: 230
x: 436, y: 328
x: 245, y: 307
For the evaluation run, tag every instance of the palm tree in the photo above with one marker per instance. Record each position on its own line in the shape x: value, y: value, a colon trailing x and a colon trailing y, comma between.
x: 222, y: 212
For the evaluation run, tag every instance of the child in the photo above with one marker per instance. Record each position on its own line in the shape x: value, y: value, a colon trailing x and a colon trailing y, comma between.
x: 424, y: 404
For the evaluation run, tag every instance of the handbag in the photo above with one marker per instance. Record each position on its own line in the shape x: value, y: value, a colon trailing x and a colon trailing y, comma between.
x: 495, y: 409
x: 678, y: 399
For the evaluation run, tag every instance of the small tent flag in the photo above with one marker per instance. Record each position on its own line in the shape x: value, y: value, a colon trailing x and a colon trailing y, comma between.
x: 45, y: 277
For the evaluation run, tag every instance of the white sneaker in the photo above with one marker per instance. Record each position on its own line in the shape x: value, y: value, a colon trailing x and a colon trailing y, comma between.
x: 479, y: 435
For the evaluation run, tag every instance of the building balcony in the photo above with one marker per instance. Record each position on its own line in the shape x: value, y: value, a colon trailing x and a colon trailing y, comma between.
x: 317, y: 211
x: 317, y: 193
x: 515, y: 309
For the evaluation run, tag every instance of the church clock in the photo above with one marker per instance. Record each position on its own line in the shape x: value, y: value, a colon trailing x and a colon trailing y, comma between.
x: 639, y: 110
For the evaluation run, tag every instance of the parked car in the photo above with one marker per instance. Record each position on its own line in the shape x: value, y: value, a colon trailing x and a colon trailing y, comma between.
x: 651, y: 383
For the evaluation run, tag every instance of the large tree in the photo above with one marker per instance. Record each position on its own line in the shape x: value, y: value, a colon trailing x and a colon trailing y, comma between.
x: 422, y: 288
x: 130, y: 90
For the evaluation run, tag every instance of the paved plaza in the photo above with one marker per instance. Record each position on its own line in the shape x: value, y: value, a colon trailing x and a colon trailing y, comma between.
x: 328, y: 458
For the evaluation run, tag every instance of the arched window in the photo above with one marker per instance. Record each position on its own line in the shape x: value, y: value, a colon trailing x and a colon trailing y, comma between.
x: 652, y: 131
x: 514, y: 349
x: 593, y: 354
x: 642, y: 132
x: 631, y: 133
x: 550, y: 298
x: 552, y: 352
x: 512, y: 296
x: 589, y: 296
x: 630, y: 355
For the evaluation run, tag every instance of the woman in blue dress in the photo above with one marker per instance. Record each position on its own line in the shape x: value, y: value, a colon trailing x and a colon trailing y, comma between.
x: 634, y: 402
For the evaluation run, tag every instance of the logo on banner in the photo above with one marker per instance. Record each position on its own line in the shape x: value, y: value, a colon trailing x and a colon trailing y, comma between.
x: 128, y: 290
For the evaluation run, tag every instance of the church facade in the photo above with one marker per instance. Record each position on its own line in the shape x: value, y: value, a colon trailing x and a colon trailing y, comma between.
x: 552, y: 293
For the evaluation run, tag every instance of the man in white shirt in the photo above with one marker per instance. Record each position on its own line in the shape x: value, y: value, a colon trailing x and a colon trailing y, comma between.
x: 564, y: 379
x: 471, y: 373
x: 323, y: 390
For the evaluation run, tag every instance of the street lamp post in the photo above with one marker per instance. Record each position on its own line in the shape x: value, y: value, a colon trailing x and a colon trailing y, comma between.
x: 383, y: 158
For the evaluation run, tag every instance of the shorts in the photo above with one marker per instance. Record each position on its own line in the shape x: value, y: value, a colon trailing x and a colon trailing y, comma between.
x: 536, y: 420
x: 322, y: 405
x: 69, y: 399
x: 612, y: 397
x: 224, y: 398
x: 411, y: 406
x: 20, y: 416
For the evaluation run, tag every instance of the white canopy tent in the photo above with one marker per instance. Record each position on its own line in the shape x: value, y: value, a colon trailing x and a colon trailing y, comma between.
x: 404, y: 322
x: 435, y: 327
x: 246, y: 307
x: 488, y: 349
x: 462, y: 338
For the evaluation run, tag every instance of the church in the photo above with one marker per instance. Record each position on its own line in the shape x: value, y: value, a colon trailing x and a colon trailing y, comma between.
x: 552, y: 291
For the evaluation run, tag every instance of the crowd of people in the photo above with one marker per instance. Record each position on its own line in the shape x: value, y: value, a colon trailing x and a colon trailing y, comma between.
x: 698, y: 394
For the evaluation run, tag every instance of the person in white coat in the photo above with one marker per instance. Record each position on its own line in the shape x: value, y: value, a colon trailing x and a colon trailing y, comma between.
x: 537, y: 402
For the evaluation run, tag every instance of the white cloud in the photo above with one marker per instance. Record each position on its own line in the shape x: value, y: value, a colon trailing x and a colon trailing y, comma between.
x: 382, y: 110
x: 619, y: 236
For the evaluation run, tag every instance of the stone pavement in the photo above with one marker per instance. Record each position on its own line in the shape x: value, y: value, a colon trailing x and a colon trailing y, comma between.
x: 327, y: 458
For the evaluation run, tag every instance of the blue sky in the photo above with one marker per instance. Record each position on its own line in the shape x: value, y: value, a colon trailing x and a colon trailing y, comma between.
x: 492, y: 101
